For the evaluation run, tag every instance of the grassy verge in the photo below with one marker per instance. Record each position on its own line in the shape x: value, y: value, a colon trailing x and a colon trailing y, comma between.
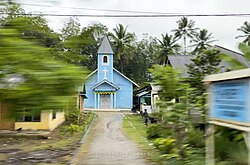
x: 66, y: 140
x: 135, y: 129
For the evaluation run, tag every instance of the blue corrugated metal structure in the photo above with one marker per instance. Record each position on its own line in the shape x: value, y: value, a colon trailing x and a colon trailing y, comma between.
x: 107, y: 88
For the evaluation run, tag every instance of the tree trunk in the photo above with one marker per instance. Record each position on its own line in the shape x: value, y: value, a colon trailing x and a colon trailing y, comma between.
x: 185, y: 51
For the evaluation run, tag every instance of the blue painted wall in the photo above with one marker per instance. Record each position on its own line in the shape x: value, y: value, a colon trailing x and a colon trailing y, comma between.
x: 91, y: 81
x: 124, y: 96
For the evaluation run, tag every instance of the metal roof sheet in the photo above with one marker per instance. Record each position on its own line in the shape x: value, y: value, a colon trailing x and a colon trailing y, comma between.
x: 238, y: 56
x: 179, y: 62
x: 105, y: 47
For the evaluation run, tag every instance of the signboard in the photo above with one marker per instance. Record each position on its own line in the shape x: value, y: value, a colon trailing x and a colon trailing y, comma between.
x: 230, y: 101
x: 229, y: 106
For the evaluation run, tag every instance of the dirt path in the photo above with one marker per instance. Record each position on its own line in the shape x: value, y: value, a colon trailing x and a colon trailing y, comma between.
x: 107, y: 145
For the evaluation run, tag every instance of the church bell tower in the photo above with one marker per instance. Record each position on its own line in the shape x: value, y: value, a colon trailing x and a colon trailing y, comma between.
x: 105, y: 61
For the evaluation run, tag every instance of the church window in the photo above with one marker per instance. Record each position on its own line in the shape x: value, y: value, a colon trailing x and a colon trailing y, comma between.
x: 105, y: 59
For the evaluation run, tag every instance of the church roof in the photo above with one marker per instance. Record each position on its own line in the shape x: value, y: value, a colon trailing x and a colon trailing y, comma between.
x: 105, y: 47
x: 95, y: 71
x: 126, y: 77
x: 91, y: 74
x: 107, y: 82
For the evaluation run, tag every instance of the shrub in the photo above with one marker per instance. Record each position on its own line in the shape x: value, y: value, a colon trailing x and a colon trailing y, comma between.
x: 157, y: 115
x: 71, y: 129
x: 165, y: 145
x: 195, y: 138
x: 73, y: 117
x: 154, y: 131
x: 77, y: 117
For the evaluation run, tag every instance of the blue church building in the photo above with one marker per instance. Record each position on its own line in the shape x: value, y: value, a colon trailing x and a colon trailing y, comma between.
x: 107, y: 88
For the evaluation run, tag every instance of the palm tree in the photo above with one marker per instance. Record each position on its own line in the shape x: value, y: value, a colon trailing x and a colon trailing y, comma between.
x: 122, y: 41
x: 168, y: 46
x: 185, y: 30
x: 202, y: 40
x: 245, y: 29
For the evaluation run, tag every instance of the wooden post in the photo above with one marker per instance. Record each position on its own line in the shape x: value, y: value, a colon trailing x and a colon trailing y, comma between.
x: 248, y: 146
x: 210, y: 145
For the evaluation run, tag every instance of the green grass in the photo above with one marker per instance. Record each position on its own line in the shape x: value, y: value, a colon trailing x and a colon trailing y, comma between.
x: 66, y: 140
x: 135, y: 129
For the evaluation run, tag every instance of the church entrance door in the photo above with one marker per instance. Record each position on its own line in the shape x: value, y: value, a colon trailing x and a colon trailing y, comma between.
x: 105, y: 101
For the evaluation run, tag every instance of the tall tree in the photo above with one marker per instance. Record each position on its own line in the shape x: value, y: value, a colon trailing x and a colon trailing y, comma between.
x: 122, y: 41
x: 202, y: 40
x: 71, y: 28
x: 30, y: 78
x: 246, y: 30
x: 185, y: 30
x: 174, y: 116
x: 30, y: 27
x: 203, y: 64
x: 144, y: 56
x: 82, y: 48
x: 168, y: 46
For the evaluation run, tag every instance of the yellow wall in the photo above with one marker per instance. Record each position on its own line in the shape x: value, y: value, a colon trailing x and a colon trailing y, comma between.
x: 46, y: 123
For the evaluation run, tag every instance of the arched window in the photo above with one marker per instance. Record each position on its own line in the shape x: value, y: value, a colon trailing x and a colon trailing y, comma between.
x: 105, y: 59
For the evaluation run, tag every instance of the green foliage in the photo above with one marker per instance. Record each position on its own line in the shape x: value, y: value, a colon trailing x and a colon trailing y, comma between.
x: 235, y: 64
x: 122, y: 41
x: 202, y: 41
x: 71, y: 129
x: 31, y: 78
x: 230, y: 146
x: 246, y: 30
x: 77, y: 117
x: 73, y: 117
x: 144, y: 56
x: 174, y: 113
x: 157, y: 115
x: 165, y: 145
x: 177, y: 115
x: 233, y: 151
x: 81, y: 47
x: 34, y: 28
x: 195, y: 138
x: 71, y: 28
x: 154, y: 131
x: 170, y: 82
x: 225, y: 163
x: 246, y: 50
x: 76, y: 121
x: 168, y: 46
x: 185, y: 30
x: 203, y: 64
x: 195, y: 157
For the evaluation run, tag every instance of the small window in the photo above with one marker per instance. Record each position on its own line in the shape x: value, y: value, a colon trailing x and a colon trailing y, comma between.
x: 28, y: 116
x: 53, y: 115
x: 105, y: 59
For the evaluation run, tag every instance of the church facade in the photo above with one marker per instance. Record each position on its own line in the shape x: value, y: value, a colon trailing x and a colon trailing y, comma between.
x: 107, y: 88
